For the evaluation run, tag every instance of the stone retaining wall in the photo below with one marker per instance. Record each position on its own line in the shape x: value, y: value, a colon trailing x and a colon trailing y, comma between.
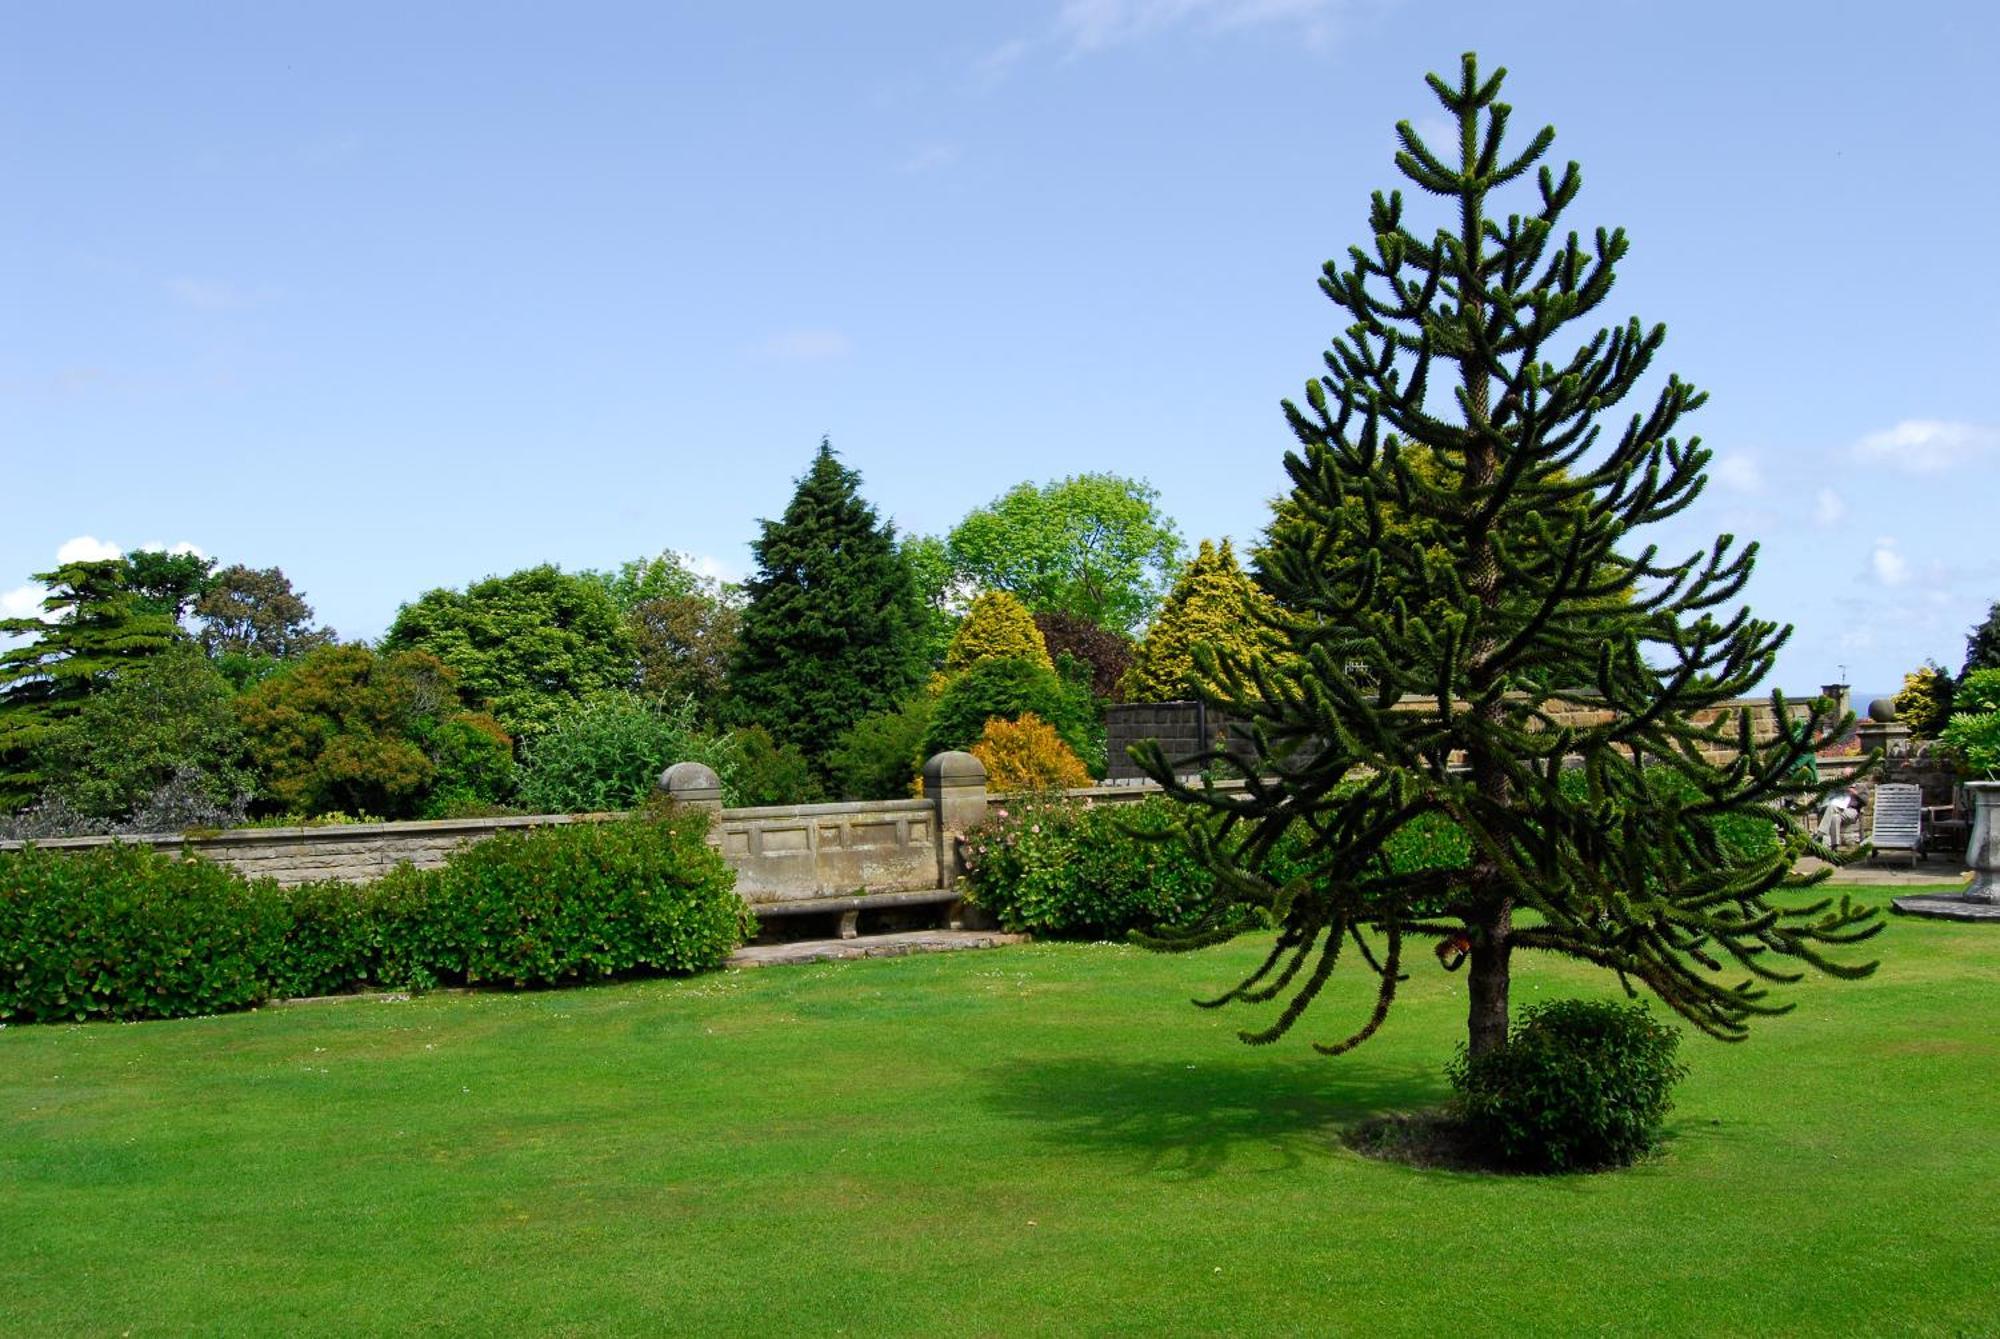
x: 357, y: 852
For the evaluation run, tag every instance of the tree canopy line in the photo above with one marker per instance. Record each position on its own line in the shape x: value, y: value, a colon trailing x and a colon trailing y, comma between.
x: 163, y: 690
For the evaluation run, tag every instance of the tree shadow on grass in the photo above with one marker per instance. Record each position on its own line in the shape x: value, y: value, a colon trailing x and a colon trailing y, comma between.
x: 1194, y: 1118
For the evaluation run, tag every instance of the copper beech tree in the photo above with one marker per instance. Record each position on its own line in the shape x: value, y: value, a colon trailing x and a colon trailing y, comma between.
x: 1433, y: 679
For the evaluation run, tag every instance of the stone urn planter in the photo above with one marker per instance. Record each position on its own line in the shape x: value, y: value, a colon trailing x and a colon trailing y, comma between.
x: 1982, y: 849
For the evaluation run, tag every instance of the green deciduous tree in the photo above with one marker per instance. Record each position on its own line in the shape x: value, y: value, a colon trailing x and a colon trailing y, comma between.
x: 939, y: 593
x: 1455, y: 340
x: 832, y: 631
x: 101, y: 625
x: 524, y: 647
x: 684, y: 626
x: 253, y: 612
x: 1093, y: 545
x: 345, y: 730
x: 165, y: 716
x: 1213, y: 604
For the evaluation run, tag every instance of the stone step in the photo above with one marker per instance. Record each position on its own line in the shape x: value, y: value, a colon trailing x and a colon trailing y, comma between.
x: 870, y: 946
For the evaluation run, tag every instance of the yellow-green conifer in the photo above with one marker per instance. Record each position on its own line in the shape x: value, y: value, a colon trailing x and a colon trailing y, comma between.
x: 1213, y: 603
x: 997, y: 627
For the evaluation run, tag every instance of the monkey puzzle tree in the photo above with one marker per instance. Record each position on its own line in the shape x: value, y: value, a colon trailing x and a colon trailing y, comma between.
x: 1619, y: 831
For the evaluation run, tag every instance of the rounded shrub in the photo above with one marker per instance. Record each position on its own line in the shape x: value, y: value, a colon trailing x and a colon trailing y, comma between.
x: 1580, y: 1084
x: 879, y: 756
x: 1007, y: 689
x: 1076, y: 868
x: 123, y: 931
x: 581, y: 901
x: 607, y: 754
x: 1027, y: 755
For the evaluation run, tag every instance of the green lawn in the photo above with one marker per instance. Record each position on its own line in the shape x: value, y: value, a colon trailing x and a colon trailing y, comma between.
x: 1034, y: 1140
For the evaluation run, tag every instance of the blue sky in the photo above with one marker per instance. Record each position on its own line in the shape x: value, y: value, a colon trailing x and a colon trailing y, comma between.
x: 395, y: 296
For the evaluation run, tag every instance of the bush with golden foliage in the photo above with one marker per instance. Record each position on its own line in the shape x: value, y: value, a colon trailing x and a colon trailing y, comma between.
x: 1028, y: 754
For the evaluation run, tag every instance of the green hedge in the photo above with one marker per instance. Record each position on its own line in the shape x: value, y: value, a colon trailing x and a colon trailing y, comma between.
x: 128, y: 932
x: 125, y: 932
x: 591, y: 900
x: 1070, y: 867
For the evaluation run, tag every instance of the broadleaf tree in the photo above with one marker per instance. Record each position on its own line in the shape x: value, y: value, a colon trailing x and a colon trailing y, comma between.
x: 525, y: 647
x: 1620, y: 831
x: 254, y: 612
x: 1094, y: 545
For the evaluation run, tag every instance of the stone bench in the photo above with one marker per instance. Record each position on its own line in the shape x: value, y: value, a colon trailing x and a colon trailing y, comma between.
x: 958, y: 915
x: 850, y: 857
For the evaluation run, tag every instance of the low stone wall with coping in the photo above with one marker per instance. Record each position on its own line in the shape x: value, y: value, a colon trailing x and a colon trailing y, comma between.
x: 356, y: 852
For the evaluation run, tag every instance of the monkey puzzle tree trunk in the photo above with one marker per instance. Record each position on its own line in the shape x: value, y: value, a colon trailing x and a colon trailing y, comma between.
x: 1486, y: 981
x: 1492, y: 922
x: 1606, y: 837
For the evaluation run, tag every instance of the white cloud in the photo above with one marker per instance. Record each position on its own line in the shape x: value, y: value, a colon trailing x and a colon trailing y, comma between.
x: 715, y: 569
x: 22, y: 602
x: 1739, y: 473
x: 87, y: 549
x: 1928, y: 445
x: 1890, y: 567
x: 1829, y: 508
x: 1084, y: 26
x: 808, y: 345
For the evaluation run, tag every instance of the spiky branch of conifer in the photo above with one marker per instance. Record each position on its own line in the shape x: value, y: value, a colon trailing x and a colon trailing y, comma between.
x: 1626, y: 864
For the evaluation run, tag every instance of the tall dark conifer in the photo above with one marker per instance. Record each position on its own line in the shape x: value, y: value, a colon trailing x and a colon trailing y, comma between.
x: 1423, y: 678
x: 833, y: 630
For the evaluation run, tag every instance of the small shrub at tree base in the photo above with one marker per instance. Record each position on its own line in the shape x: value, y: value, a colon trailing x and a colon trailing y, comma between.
x: 1027, y: 755
x: 1580, y: 1084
